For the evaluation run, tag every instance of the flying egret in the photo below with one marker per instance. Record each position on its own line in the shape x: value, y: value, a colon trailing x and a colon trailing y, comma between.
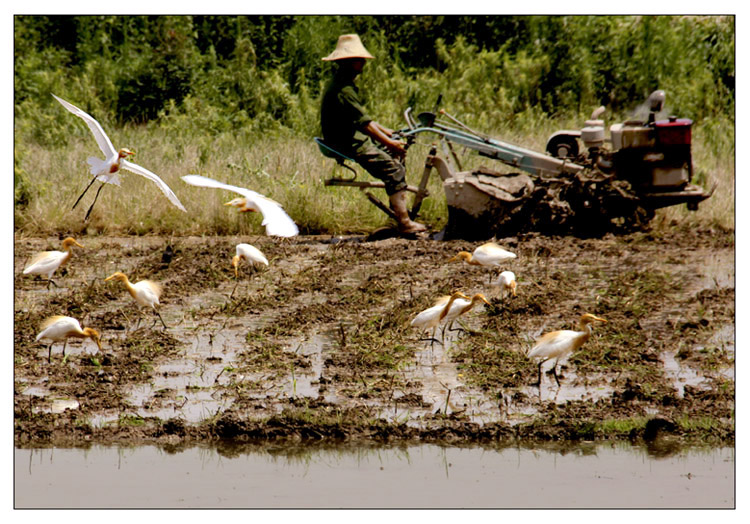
x: 431, y: 317
x: 507, y: 283
x: 106, y: 171
x: 460, y: 307
x: 488, y: 255
x: 559, y: 344
x: 47, y: 262
x: 277, y: 222
x: 146, y: 293
x: 60, y: 328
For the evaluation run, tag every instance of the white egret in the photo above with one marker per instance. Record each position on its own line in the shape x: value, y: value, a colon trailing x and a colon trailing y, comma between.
x: 559, y: 344
x: 60, y: 328
x: 507, y: 283
x: 277, y: 222
x: 146, y: 293
x: 249, y: 254
x: 489, y: 255
x: 106, y: 171
x: 460, y: 307
x: 47, y: 262
x: 431, y: 317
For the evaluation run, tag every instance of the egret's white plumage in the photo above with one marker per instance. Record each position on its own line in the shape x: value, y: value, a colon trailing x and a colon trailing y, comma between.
x: 431, y: 317
x: 559, y: 344
x: 60, y: 328
x: 488, y: 255
x: 107, y: 170
x: 47, y: 262
x: 460, y: 307
x: 507, y: 283
x: 146, y: 292
x: 250, y: 254
x: 275, y: 219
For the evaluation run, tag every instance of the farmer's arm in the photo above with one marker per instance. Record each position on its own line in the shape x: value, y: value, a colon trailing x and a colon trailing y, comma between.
x: 383, y: 135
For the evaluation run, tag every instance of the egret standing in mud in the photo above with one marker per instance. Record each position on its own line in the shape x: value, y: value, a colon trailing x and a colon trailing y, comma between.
x: 106, y: 171
x: 431, y: 317
x: 60, y: 328
x: 560, y: 344
x: 47, y: 262
x: 507, y: 283
x: 146, y: 293
x: 488, y: 255
x: 460, y: 307
x: 250, y: 254
x: 277, y: 222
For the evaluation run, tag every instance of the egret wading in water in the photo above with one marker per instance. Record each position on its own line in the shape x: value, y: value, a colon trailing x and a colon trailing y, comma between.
x: 146, y: 293
x: 275, y: 219
x: 106, y: 171
x: 507, y: 283
x: 488, y: 255
x: 560, y: 344
x: 431, y: 317
x: 60, y: 328
x: 460, y: 307
x: 47, y: 262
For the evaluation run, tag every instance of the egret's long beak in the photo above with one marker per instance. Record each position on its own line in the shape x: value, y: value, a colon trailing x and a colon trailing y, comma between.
x: 513, y: 288
x: 77, y: 244
x: 110, y: 277
x: 235, y: 263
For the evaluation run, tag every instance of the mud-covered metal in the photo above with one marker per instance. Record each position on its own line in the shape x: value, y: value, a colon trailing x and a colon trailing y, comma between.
x: 585, y: 183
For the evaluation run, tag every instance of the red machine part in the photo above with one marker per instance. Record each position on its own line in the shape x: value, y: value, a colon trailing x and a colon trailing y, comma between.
x: 673, y: 132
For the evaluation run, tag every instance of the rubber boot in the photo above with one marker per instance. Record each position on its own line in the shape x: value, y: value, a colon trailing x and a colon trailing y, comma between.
x: 405, y: 224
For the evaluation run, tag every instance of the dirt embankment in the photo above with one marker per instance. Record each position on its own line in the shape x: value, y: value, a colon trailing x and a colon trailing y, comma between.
x: 319, y: 346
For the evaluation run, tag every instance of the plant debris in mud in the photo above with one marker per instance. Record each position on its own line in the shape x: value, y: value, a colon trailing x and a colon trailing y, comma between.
x: 318, y: 345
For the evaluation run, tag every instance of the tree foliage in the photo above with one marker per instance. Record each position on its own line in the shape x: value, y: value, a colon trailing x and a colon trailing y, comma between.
x: 264, y: 72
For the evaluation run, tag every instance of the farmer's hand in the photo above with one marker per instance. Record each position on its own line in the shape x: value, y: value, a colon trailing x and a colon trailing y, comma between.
x: 396, y: 148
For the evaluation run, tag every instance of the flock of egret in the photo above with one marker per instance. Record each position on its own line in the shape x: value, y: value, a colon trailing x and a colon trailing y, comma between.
x: 447, y: 309
x: 555, y: 345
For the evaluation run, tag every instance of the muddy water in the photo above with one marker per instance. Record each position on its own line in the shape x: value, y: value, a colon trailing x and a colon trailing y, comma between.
x: 426, y: 476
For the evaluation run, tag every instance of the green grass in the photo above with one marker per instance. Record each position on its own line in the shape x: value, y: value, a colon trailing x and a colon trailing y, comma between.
x: 288, y: 169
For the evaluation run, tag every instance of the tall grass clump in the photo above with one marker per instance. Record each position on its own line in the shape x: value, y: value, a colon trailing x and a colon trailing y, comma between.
x: 236, y: 98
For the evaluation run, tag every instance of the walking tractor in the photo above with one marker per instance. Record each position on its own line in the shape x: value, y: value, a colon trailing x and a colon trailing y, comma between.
x: 584, y: 183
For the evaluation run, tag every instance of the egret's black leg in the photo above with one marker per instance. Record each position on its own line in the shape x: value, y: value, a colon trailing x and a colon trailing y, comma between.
x: 84, y: 192
x: 94, y: 202
x: 554, y: 372
x: 162, y: 320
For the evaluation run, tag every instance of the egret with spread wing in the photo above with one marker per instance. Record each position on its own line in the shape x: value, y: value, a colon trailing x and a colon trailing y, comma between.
x: 106, y: 171
x: 277, y: 222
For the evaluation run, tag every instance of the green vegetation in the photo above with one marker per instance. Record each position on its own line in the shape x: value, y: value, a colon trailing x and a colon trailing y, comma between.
x: 236, y: 98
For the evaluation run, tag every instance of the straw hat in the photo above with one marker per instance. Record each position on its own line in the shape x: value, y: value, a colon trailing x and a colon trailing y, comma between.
x: 348, y: 46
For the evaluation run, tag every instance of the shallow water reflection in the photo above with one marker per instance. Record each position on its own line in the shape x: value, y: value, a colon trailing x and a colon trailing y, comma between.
x: 418, y: 476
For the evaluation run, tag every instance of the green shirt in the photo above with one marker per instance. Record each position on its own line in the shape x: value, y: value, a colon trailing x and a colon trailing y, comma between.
x: 343, y: 116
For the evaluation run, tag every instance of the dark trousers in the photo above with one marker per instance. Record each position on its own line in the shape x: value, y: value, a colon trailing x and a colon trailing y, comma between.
x: 383, y: 167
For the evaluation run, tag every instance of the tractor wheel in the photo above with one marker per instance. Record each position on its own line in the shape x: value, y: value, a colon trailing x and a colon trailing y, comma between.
x: 563, y: 146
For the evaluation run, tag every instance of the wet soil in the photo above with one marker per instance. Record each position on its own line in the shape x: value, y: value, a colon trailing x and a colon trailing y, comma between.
x: 318, y: 345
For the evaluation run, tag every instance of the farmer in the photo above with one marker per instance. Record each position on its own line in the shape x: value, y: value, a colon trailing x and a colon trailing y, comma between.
x: 348, y: 128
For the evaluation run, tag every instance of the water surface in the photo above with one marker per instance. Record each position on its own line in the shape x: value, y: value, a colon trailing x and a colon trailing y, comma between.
x: 419, y: 476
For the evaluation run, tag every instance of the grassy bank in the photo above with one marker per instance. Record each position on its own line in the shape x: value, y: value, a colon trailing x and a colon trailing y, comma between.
x: 283, y: 166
